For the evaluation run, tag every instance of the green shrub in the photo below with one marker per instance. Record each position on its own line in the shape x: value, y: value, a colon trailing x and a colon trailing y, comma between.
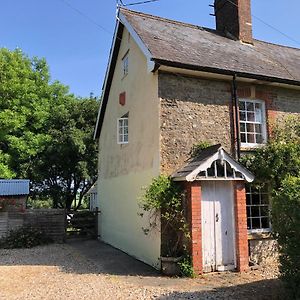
x: 24, y: 237
x: 164, y: 198
x: 39, y: 203
x: 186, y: 267
x: 286, y: 227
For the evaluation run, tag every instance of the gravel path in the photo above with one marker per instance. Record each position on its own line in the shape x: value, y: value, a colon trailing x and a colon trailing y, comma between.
x: 88, y: 270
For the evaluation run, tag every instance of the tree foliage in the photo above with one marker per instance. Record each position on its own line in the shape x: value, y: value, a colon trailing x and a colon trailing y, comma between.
x: 280, y: 157
x: 286, y: 225
x: 46, y: 132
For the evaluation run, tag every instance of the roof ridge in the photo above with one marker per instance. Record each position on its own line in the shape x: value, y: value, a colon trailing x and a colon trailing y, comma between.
x: 165, y: 19
x: 278, y: 45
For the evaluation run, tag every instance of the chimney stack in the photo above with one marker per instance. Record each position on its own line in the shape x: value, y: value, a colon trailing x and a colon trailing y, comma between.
x: 233, y: 18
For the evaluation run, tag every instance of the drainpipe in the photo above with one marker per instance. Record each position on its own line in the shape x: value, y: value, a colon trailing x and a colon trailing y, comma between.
x: 235, y: 100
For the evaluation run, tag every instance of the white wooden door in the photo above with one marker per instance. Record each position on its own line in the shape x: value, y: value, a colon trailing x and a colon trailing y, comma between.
x: 218, y: 236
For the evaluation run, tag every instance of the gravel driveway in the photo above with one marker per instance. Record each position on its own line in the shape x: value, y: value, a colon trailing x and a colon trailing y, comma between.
x: 94, y: 270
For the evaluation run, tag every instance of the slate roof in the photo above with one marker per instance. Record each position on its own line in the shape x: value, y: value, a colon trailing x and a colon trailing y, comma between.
x: 175, y: 43
x: 194, y: 162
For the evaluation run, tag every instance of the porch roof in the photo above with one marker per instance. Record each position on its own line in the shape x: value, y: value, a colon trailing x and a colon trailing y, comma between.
x: 207, y: 159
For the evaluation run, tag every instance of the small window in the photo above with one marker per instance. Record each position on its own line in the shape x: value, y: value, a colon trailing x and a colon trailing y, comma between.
x: 252, y: 122
x: 258, y: 209
x: 125, y: 64
x: 123, y: 130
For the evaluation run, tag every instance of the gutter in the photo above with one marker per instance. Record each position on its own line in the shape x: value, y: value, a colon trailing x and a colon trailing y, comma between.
x: 163, y: 62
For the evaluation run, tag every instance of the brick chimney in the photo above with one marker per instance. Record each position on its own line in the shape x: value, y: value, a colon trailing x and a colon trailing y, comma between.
x: 233, y: 18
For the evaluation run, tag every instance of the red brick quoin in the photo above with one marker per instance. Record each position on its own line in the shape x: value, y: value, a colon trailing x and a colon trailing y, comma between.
x: 242, y: 254
x: 193, y: 193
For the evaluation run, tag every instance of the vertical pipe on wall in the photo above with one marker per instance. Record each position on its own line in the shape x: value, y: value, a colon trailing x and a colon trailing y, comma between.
x: 235, y: 101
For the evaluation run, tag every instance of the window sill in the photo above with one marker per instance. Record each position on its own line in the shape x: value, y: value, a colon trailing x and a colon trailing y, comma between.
x: 259, y: 235
x: 123, y: 144
x: 251, y: 147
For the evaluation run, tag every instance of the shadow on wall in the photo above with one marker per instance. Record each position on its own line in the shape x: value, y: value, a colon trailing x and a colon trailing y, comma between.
x: 259, y: 290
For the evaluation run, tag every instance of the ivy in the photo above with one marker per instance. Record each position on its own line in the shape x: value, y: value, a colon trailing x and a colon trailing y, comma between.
x: 278, y: 166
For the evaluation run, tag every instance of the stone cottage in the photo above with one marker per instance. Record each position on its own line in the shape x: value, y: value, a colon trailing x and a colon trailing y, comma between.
x: 170, y: 85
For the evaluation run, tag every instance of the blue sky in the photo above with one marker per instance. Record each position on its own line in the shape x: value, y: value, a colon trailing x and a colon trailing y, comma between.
x: 76, y: 48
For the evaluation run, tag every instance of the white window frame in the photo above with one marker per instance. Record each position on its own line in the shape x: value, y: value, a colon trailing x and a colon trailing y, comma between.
x: 262, y: 123
x: 258, y: 230
x: 125, y: 65
x: 121, y: 136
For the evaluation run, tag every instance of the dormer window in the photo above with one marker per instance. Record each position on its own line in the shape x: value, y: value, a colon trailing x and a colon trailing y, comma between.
x: 125, y: 65
x: 252, y: 123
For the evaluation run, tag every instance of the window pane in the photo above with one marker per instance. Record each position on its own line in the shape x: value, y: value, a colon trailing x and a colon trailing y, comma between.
x: 255, y: 223
x: 258, y: 115
x: 259, y: 139
x: 242, y: 116
x: 264, y: 211
x: 243, y: 138
x: 250, y: 106
x: 250, y: 138
x: 248, y: 212
x: 250, y: 117
x: 243, y: 127
x: 258, y: 128
x: 254, y: 211
x: 248, y: 199
x: 250, y: 127
x: 255, y: 199
x: 249, y: 223
x: 242, y: 105
x: 265, y: 223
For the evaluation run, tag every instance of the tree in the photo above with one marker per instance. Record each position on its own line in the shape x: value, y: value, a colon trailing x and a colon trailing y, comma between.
x: 46, y: 133
x: 67, y: 168
x: 24, y: 100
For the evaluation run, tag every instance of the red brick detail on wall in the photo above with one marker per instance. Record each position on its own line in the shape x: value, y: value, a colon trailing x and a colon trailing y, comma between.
x: 269, y: 98
x: 122, y: 98
x: 242, y: 253
x: 193, y: 192
x: 244, y: 92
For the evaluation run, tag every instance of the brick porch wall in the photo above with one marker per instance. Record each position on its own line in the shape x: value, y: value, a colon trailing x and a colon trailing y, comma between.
x: 193, y: 192
x: 242, y: 253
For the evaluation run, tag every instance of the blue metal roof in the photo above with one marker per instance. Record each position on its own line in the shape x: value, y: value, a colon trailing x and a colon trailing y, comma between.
x: 14, y: 187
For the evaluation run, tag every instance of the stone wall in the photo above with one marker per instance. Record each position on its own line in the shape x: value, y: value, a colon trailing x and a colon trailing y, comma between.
x: 50, y: 221
x: 192, y: 110
x: 195, y: 110
x: 263, y: 251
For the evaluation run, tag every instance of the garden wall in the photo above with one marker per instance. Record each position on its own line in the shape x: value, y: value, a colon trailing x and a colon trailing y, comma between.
x: 50, y: 221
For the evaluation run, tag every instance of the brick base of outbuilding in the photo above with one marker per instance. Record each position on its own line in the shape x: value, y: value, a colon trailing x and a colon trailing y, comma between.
x: 193, y: 197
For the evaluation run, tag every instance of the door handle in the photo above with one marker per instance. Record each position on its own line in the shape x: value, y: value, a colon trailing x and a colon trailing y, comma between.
x: 217, y: 217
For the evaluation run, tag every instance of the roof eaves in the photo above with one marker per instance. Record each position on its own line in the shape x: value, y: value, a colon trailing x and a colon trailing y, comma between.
x: 179, y: 65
